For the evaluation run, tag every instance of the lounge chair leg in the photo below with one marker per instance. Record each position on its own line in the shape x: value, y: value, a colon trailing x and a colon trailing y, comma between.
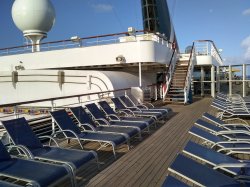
x: 68, y: 141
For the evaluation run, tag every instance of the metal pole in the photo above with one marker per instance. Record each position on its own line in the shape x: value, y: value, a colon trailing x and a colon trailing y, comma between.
x: 202, y: 81
x: 212, y: 81
x: 230, y: 79
x: 218, y: 78
x: 244, y: 80
x: 140, y: 74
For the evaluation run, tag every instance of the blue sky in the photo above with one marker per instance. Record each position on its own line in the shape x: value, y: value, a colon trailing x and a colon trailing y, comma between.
x: 226, y: 22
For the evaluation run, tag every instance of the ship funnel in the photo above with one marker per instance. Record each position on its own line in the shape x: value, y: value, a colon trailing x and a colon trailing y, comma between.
x: 34, y: 18
x: 156, y: 18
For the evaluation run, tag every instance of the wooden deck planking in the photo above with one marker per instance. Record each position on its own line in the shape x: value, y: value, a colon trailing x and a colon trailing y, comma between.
x: 147, y: 163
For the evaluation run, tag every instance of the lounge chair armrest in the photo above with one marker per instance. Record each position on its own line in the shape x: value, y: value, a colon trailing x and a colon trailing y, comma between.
x: 142, y: 106
x: 128, y: 111
x: 63, y: 131
x: 237, y: 125
x: 88, y: 125
x: 150, y: 104
x: 113, y: 115
x: 242, y: 120
x: 134, y: 107
x: 224, y: 132
x: 102, y: 120
x: 232, y: 165
x: 22, y: 148
x: 50, y: 138
x: 230, y: 142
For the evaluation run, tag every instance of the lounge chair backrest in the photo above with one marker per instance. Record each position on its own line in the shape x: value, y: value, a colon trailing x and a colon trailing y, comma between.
x: 21, y: 133
x: 4, y: 154
x: 107, y: 109
x: 64, y: 121
x: 213, y: 118
x: 95, y: 111
x: 82, y: 116
x: 127, y: 102
x: 118, y: 104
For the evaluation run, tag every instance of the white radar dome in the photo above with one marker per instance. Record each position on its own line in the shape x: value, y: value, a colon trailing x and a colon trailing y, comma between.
x: 33, y: 16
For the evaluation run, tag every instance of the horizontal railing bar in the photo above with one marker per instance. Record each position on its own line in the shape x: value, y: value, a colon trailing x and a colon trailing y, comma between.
x: 59, y: 98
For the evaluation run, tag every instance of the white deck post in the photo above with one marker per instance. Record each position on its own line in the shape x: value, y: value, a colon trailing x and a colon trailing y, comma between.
x: 230, y: 79
x: 218, y: 79
x: 202, y: 80
x: 244, y: 80
x: 140, y: 74
x: 212, y: 81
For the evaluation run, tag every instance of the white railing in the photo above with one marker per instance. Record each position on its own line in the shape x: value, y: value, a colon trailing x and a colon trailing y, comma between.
x: 169, y: 74
x: 189, y: 74
x: 89, y: 41
x: 207, y: 48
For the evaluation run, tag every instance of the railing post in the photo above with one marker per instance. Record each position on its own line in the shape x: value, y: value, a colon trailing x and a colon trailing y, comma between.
x: 244, y: 80
x: 16, y: 112
x: 218, y: 79
x: 140, y: 79
x: 202, y: 80
x: 52, y: 119
x: 212, y: 81
x: 230, y: 79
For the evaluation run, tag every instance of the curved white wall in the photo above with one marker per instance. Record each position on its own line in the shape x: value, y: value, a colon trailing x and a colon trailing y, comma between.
x: 43, y: 84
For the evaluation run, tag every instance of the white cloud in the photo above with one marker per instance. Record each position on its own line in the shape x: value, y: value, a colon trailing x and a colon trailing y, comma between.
x: 246, y: 12
x: 246, y: 46
x: 103, y: 7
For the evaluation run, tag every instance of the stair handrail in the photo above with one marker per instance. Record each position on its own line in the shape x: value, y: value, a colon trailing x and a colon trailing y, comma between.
x: 189, y: 73
x: 169, y: 75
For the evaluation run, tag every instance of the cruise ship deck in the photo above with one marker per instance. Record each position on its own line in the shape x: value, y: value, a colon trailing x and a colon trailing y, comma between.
x: 146, y: 164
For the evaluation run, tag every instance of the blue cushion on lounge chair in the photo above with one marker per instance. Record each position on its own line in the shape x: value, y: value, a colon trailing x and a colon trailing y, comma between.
x: 200, y: 174
x: 43, y: 174
x: 212, y: 157
x: 22, y: 134
x: 117, y: 139
x: 77, y: 157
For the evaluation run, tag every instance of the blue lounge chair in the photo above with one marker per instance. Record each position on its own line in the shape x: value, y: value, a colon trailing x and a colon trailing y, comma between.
x: 32, y: 172
x: 199, y: 174
x: 216, y: 160
x: 223, y: 131
x: 243, y: 125
x: 71, y: 131
x: 231, y: 147
x: 130, y: 104
x: 111, y: 114
x: 173, y: 182
x: 119, y: 106
x: 22, y: 135
x: 86, y: 122
x: 99, y: 116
